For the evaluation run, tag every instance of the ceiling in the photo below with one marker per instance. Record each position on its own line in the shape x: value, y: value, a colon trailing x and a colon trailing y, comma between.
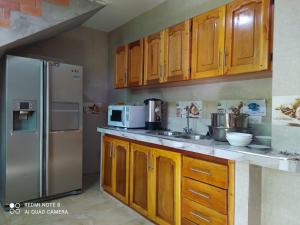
x: 119, y: 12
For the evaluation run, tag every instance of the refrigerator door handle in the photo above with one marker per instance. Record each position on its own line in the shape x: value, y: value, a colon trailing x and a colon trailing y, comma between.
x: 47, y: 128
x: 41, y: 128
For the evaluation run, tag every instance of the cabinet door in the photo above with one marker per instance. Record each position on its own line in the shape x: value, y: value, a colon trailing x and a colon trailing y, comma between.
x: 107, y: 164
x: 153, y: 58
x: 208, y: 44
x: 247, y: 36
x: 166, y: 187
x: 135, y: 63
x: 121, y: 67
x: 140, y: 179
x: 121, y: 170
x: 177, y: 50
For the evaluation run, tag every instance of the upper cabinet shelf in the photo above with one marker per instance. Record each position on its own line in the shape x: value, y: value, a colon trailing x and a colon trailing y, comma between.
x: 232, y: 39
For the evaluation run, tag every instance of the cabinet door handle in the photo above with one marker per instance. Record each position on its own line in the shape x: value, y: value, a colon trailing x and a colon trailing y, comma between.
x: 199, y: 194
x: 110, y: 151
x: 160, y: 74
x: 206, y: 172
x: 225, y: 57
x: 200, y: 216
x: 148, y: 155
x: 219, y: 58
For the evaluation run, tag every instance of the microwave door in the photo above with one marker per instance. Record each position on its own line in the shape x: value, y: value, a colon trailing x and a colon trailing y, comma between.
x: 117, y: 117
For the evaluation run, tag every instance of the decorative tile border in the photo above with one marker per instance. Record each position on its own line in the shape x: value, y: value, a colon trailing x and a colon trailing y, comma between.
x: 31, y: 7
x: 256, y: 107
x: 195, y: 109
x: 286, y: 110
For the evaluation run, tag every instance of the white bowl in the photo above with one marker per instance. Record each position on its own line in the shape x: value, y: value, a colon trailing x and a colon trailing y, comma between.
x: 239, y: 139
x: 238, y: 142
x: 239, y: 135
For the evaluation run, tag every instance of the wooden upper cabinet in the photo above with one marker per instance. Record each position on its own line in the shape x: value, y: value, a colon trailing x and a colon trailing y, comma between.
x: 177, y: 52
x: 121, y: 66
x: 247, y: 36
x: 135, y: 63
x: 153, y: 58
x: 208, y: 44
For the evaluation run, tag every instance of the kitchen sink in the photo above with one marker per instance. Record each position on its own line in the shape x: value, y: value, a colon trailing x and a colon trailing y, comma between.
x: 195, y: 137
x: 177, y: 134
x: 170, y: 133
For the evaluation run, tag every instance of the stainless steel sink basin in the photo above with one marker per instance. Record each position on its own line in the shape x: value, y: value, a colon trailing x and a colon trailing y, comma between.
x: 177, y: 134
x: 170, y: 133
x: 195, y: 137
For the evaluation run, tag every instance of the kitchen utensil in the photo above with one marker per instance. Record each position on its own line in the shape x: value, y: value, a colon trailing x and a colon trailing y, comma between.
x: 228, y: 122
x: 219, y: 133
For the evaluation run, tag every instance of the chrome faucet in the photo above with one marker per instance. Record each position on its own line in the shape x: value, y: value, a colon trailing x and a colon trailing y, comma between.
x: 187, y: 129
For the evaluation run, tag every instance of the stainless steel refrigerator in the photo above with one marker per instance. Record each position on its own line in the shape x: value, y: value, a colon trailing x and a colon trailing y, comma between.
x: 41, y: 129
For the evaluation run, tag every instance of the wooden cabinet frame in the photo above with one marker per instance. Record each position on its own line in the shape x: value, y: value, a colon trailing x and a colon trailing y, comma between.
x: 146, y: 212
x: 228, y: 57
x: 121, y: 61
x: 176, y: 161
x: 261, y: 42
x: 154, y: 75
x: 113, y: 154
x: 135, y: 63
x: 152, y: 155
x: 177, y: 64
x: 163, y: 160
x: 216, y: 64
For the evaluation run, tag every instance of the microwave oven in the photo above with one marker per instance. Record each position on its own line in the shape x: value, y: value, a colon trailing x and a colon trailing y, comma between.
x: 126, y: 116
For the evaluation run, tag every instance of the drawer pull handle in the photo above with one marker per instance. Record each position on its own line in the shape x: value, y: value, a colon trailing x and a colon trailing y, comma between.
x: 200, y: 194
x: 200, y: 216
x: 201, y: 171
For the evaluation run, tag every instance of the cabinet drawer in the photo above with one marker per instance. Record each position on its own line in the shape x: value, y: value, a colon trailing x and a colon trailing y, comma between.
x: 185, y: 221
x: 205, y: 194
x: 207, y: 172
x: 201, y: 215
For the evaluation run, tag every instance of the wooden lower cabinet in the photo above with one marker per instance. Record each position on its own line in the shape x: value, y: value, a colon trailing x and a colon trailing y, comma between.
x: 121, y: 170
x: 155, y: 184
x: 166, y: 187
x: 115, y: 168
x: 107, y: 161
x: 207, y: 192
x: 149, y: 180
x: 140, y: 179
x: 200, y: 214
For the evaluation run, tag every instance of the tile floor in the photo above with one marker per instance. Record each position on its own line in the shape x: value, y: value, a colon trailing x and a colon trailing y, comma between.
x: 92, y: 207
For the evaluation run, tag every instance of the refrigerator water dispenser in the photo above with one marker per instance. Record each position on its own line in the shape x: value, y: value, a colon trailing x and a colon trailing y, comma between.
x: 24, y: 116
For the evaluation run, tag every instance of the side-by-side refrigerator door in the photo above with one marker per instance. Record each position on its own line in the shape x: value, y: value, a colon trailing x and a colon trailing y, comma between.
x: 63, y: 128
x: 23, y: 129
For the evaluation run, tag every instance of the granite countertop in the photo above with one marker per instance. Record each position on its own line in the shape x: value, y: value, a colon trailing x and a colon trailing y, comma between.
x: 268, y: 159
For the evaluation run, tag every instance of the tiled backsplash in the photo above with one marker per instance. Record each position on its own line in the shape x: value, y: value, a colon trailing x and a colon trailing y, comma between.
x: 210, y: 95
x: 200, y: 124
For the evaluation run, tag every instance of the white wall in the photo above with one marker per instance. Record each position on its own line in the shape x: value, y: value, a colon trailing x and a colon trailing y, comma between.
x: 281, y: 191
x: 89, y: 48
